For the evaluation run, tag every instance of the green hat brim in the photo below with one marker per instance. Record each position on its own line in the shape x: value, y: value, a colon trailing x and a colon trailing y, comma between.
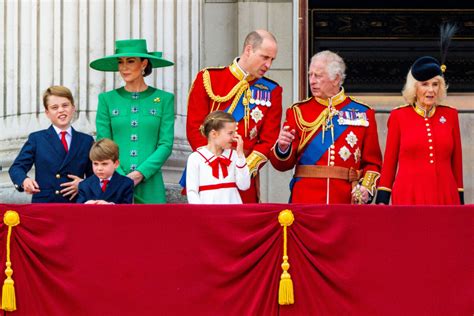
x: 110, y: 63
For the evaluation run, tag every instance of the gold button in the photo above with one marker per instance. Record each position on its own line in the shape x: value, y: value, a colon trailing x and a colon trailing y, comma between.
x: 431, y: 161
x: 332, y: 157
x: 431, y: 147
x: 426, y: 119
x: 428, y: 129
x: 431, y: 155
x: 430, y: 140
x: 58, y: 176
x: 332, y: 152
x: 427, y: 124
x: 331, y: 163
x: 56, y: 192
x: 429, y: 134
x: 332, y: 146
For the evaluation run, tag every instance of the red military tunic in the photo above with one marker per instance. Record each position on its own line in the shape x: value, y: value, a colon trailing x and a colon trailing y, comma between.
x: 220, y: 89
x: 357, y: 147
x: 427, y: 152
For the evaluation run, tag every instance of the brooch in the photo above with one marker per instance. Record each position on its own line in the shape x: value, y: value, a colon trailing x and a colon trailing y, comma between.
x: 351, y: 139
x: 256, y: 115
x: 357, y: 154
x: 344, y: 153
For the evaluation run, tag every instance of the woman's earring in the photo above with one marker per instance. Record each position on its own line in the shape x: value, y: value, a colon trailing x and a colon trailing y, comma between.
x: 143, y: 71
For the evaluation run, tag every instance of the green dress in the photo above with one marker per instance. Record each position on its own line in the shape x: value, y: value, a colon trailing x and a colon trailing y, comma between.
x: 142, y: 124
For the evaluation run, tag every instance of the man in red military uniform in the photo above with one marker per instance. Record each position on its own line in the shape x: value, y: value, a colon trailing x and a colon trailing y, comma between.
x: 253, y: 100
x: 331, y: 139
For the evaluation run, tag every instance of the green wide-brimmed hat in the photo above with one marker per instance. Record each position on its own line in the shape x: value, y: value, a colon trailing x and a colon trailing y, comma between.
x: 129, y: 48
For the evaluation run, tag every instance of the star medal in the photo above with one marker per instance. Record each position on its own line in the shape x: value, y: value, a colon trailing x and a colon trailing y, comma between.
x: 351, y: 139
x: 256, y: 115
x: 442, y: 119
x: 344, y: 153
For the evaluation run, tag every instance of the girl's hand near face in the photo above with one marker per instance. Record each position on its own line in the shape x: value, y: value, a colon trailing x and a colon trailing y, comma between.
x: 240, y: 145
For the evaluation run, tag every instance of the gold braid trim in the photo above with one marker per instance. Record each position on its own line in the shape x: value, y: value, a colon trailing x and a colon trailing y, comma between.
x: 308, y: 128
x: 235, y: 93
x: 370, y: 181
x: 254, y: 160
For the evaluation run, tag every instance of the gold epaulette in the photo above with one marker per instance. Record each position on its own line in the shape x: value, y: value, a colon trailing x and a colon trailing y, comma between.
x: 254, y: 161
x: 360, y: 102
x: 213, y: 68
x: 402, y: 106
x: 300, y: 102
x: 370, y: 181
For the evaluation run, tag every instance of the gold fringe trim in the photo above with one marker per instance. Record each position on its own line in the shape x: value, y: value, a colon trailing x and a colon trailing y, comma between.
x: 11, y: 218
x: 286, y: 294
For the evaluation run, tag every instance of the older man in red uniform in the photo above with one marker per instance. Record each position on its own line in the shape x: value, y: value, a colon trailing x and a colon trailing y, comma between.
x: 331, y: 139
x: 253, y: 100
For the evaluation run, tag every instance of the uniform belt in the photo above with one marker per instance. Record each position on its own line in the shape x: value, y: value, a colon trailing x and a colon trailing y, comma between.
x: 348, y: 174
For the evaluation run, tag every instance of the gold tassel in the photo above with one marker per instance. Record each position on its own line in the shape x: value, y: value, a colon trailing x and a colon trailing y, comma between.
x: 285, y: 293
x: 11, y: 218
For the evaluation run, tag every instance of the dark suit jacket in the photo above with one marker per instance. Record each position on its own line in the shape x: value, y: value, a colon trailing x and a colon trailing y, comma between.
x: 44, y: 150
x: 119, y: 190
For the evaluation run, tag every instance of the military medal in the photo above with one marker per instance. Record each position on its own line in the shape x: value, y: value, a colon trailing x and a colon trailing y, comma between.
x: 351, y: 139
x: 344, y: 153
x: 267, y: 99
x: 253, y: 132
x: 252, y: 99
x: 257, y: 101
x: 442, y: 119
x: 357, y: 155
x: 256, y: 115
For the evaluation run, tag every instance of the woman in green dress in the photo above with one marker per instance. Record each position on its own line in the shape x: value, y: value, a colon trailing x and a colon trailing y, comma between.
x: 139, y: 118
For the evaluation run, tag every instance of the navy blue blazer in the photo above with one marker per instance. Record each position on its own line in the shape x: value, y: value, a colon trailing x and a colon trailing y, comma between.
x: 44, y: 150
x: 119, y: 190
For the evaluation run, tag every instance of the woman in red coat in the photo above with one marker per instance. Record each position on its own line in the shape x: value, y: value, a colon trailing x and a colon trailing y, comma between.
x: 424, y: 143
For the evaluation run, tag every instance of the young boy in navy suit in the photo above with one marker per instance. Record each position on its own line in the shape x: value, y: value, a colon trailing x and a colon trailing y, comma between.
x: 59, y: 153
x: 106, y: 186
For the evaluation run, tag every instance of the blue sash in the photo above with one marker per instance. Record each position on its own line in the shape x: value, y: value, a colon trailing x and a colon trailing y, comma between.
x: 316, y: 148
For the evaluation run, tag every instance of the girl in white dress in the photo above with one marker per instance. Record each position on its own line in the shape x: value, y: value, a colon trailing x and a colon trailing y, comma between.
x: 215, y: 172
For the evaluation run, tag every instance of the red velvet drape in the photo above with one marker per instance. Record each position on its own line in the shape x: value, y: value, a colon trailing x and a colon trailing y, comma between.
x: 225, y: 260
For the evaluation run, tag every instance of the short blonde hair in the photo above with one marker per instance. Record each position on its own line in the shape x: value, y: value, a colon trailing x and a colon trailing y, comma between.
x: 409, y: 90
x: 104, y: 149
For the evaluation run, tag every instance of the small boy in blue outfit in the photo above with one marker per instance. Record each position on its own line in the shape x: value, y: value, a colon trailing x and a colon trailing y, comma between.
x: 106, y: 186
x: 59, y: 153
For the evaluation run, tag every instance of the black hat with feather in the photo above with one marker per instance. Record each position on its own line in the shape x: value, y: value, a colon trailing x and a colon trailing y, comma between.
x: 427, y: 67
